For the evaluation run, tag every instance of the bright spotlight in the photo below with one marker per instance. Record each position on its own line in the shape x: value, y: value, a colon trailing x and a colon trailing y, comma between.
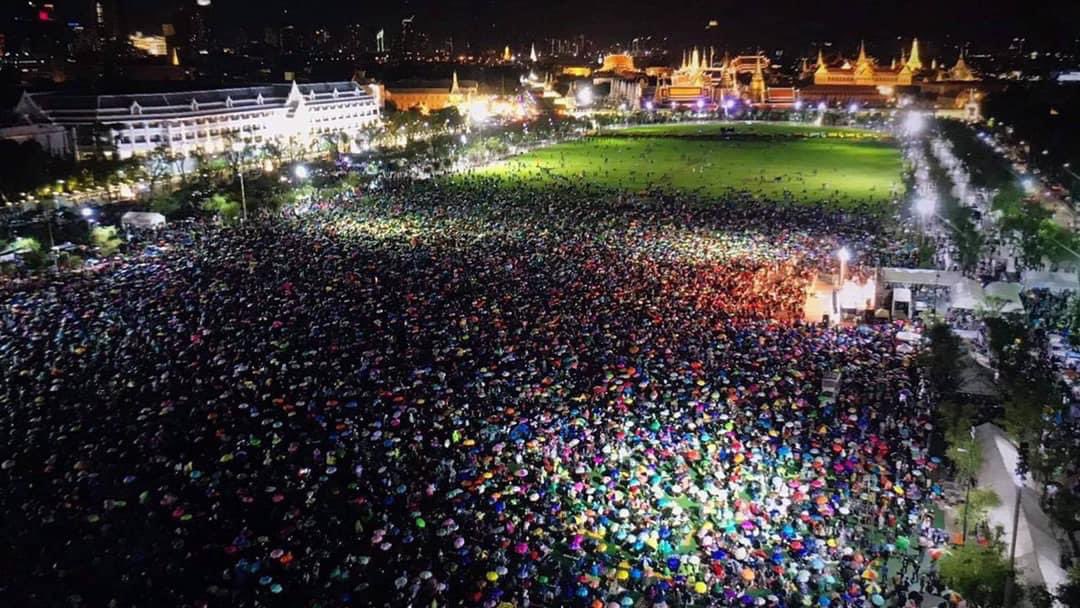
x: 798, y: 105
x: 649, y: 105
x: 914, y: 123
x: 301, y: 172
x: 821, y: 106
x: 87, y: 212
x: 700, y: 104
x: 853, y: 108
x: 464, y: 139
x: 585, y: 96
x: 844, y: 255
x: 925, y: 205
x: 1028, y: 184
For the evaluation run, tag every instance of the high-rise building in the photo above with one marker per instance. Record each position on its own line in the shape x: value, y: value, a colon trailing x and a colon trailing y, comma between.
x: 406, y: 44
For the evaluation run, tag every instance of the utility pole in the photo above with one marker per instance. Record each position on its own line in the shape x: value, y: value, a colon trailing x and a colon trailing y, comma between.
x: 243, y: 195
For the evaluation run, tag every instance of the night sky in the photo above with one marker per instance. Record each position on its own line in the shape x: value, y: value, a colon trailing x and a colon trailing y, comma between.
x: 780, y: 23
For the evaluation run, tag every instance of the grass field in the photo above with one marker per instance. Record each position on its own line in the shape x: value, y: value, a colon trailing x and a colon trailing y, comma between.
x: 776, y: 161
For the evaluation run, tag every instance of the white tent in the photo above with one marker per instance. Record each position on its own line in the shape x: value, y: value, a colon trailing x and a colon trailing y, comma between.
x: 1054, y: 281
x: 920, y: 276
x: 1009, y: 293
x: 142, y: 219
x: 966, y: 294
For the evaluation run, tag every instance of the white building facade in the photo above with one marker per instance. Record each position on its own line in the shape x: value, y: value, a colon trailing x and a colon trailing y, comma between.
x: 207, y: 121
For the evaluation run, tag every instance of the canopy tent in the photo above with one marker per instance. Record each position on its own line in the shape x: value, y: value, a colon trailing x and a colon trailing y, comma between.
x: 1054, y: 281
x: 142, y: 219
x: 901, y: 295
x: 966, y: 294
x: 920, y: 276
x: 1038, y: 549
x: 1008, y: 293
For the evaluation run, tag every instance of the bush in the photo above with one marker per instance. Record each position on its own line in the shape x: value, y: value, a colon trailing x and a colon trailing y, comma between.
x: 26, y: 243
x: 34, y: 253
x: 105, y: 239
x: 226, y: 210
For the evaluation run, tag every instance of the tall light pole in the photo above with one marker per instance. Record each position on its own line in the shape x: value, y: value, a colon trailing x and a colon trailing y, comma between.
x: 845, y: 256
x: 1022, y: 469
x: 238, y: 149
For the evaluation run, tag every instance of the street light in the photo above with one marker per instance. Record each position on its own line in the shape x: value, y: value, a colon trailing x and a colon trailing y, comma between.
x: 914, y: 123
x: 925, y: 206
x: 845, y: 256
x: 238, y: 149
x: 585, y: 96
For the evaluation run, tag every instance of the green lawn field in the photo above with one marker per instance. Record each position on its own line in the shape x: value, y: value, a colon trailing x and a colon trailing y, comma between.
x: 774, y: 161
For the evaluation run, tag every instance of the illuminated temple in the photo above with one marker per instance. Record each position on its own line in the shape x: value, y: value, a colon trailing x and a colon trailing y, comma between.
x: 866, y: 71
x: 703, y: 82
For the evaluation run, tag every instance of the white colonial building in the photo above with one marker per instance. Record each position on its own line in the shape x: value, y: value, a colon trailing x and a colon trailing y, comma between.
x: 131, y: 125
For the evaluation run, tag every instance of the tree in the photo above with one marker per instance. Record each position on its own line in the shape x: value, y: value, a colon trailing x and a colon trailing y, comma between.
x: 1029, y: 395
x: 1068, y: 593
x: 977, y: 572
x: 292, y: 150
x: 157, y: 165
x: 105, y: 239
x: 228, y: 211
x: 166, y: 204
x: 450, y: 117
x: 26, y: 243
x: 942, y: 358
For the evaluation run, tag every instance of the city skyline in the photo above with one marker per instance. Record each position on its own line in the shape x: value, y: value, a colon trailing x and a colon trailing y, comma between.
x: 486, y: 23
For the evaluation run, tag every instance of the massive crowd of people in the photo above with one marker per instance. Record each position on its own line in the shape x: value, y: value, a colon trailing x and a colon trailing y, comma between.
x: 464, y: 394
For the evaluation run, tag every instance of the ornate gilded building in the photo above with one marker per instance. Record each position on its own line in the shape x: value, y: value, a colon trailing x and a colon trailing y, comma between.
x: 428, y: 96
x: 703, y: 82
x: 867, y: 72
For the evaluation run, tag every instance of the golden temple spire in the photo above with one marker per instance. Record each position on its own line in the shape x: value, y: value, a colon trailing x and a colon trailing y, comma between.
x: 913, y: 62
